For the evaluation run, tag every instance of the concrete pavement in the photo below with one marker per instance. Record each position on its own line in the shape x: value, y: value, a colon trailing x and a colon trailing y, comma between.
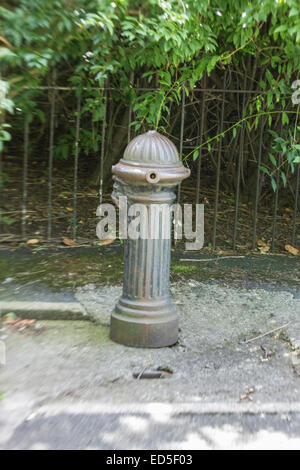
x: 229, y: 385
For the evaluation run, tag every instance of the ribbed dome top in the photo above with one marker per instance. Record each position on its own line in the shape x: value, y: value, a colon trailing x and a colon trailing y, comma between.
x: 151, y: 147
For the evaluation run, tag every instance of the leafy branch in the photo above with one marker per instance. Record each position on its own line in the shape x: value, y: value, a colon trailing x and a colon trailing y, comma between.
x: 234, y: 126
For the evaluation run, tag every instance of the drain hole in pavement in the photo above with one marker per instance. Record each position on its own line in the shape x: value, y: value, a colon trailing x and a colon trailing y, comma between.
x: 153, y: 373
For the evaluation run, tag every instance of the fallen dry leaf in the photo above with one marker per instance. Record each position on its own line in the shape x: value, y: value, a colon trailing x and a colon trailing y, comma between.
x: 264, y: 249
x: 263, y: 246
x: 261, y: 243
x: 291, y: 250
x: 108, y: 241
x: 247, y: 394
x: 27, y: 324
x: 22, y: 324
x: 32, y: 241
x: 68, y: 241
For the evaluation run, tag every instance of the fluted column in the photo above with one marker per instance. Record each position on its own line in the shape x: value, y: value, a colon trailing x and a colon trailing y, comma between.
x: 145, y: 315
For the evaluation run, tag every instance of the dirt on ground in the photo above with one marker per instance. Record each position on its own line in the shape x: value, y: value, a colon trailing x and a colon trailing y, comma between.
x: 72, y: 266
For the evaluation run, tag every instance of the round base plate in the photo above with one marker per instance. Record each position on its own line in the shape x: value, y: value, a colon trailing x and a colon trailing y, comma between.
x: 142, y: 327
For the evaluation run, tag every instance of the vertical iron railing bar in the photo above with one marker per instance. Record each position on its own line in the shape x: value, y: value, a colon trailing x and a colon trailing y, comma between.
x: 218, y: 168
x: 1, y: 189
x: 297, y: 186
x: 262, y: 125
x: 276, y: 197
x: 102, y: 153
x: 50, y: 163
x: 201, y: 140
x: 296, y: 204
x: 1, y: 178
x: 131, y: 84
x: 181, y: 137
x: 25, y: 176
x: 237, y: 193
x: 77, y: 137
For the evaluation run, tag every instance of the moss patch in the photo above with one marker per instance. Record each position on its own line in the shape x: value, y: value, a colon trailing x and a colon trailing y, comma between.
x: 179, y: 268
x: 63, y: 269
x: 76, y: 333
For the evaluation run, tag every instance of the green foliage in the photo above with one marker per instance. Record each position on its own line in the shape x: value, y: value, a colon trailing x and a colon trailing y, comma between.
x: 6, y: 105
x: 284, y: 155
x: 166, y: 43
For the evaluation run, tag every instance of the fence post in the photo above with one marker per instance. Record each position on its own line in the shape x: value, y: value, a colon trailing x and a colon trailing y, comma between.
x: 50, y: 164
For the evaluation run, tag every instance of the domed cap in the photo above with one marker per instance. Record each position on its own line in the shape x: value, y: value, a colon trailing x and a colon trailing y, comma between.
x: 150, y: 158
x: 151, y: 148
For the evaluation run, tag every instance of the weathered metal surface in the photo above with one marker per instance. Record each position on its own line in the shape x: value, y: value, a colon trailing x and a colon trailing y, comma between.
x: 149, y: 173
x: 152, y: 175
x: 151, y: 148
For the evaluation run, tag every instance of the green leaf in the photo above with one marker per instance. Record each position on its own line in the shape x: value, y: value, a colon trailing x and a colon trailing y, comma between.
x: 273, y: 160
x: 269, y: 76
x: 264, y: 169
x: 263, y: 84
x: 269, y: 98
x: 274, y: 184
x: 290, y: 156
x: 285, y: 118
x: 294, y: 12
x: 281, y: 28
x: 270, y: 120
x: 273, y: 133
x: 283, y: 178
x: 6, y: 53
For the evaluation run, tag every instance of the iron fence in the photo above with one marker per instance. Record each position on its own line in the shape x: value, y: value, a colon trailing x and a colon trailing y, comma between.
x: 21, y: 229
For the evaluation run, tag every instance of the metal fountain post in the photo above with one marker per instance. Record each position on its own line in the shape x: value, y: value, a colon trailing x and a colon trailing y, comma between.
x: 147, y: 175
